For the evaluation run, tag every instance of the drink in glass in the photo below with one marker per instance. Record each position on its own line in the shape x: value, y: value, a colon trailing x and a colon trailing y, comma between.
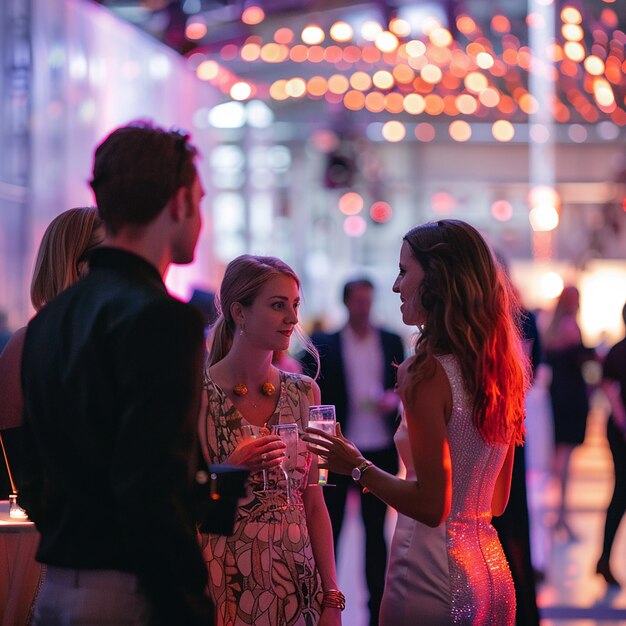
x: 251, y: 431
x: 290, y: 436
x: 322, y: 417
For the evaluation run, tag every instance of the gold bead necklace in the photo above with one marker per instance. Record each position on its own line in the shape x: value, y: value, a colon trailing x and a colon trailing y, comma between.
x: 267, y: 389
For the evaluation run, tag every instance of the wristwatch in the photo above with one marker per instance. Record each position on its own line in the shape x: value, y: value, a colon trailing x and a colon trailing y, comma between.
x: 359, y: 470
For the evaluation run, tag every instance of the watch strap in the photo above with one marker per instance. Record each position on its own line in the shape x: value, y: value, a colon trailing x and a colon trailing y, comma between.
x: 362, y: 467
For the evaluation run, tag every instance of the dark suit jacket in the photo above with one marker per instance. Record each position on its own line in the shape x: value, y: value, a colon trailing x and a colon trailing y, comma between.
x: 332, y: 377
x: 111, y: 372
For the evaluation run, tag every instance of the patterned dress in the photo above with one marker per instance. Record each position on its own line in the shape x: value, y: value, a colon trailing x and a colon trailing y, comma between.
x: 455, y: 573
x: 264, y: 573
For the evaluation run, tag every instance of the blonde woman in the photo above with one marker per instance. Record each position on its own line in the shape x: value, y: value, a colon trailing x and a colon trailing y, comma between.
x: 61, y: 261
x: 278, y: 567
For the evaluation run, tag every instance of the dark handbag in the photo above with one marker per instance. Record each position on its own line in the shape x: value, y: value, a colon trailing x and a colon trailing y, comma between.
x: 217, y: 491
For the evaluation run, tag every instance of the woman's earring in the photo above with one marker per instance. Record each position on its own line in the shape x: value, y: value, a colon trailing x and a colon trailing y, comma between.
x: 242, y: 329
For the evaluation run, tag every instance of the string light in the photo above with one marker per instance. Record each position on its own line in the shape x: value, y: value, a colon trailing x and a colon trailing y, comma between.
x: 392, y: 69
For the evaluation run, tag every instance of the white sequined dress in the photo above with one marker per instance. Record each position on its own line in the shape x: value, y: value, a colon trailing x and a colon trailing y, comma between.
x: 456, y: 573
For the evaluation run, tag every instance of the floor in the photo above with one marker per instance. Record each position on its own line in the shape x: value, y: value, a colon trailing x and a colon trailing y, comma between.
x: 571, y: 593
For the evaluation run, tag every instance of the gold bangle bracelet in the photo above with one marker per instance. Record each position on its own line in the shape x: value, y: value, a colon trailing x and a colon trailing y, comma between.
x: 334, y: 599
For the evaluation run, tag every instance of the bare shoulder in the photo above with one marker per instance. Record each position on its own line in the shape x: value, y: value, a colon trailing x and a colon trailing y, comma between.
x: 431, y: 394
x: 403, y: 369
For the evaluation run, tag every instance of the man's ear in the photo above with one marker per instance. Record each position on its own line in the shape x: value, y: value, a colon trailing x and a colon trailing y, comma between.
x: 178, y: 204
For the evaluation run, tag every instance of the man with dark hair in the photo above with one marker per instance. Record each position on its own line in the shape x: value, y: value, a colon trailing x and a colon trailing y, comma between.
x: 358, y: 375
x: 111, y: 372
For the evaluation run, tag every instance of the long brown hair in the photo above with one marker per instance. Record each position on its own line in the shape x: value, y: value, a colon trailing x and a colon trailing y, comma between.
x: 69, y: 237
x: 471, y: 312
x: 244, y: 278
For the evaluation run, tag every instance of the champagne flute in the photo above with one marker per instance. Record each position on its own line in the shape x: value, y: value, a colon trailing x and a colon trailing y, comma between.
x: 251, y: 431
x: 322, y: 417
x: 290, y: 437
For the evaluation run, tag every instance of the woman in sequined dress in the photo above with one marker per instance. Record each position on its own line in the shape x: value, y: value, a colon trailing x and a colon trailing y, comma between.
x: 278, y: 566
x: 463, y: 397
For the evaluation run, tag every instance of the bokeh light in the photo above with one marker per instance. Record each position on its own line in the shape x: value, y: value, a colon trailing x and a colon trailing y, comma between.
x: 370, y: 30
x: 551, y: 285
x: 414, y: 104
x: 252, y: 15
x: 207, y: 70
x: 312, y: 35
x: 354, y: 226
x: 341, y: 32
x: 543, y: 218
x: 351, y: 203
x: 483, y: 73
x: 425, y: 132
x: 383, y: 79
x: 443, y: 202
x: 381, y: 212
x: 503, y: 130
x: 394, y: 131
x: 400, y: 27
x: 195, y: 30
x: 386, y: 41
x: 502, y: 210
x: 240, y: 91
x: 571, y: 15
x: 460, y: 130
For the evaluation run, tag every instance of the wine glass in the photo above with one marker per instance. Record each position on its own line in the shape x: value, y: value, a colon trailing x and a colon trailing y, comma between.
x: 322, y: 417
x: 15, y: 510
x: 290, y: 437
x: 251, y: 431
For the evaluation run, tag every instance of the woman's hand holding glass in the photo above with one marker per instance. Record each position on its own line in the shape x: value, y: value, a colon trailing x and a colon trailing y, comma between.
x: 258, y: 450
x: 340, y: 454
x: 322, y: 417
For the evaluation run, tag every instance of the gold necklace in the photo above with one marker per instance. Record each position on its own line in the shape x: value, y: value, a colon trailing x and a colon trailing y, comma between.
x: 267, y: 389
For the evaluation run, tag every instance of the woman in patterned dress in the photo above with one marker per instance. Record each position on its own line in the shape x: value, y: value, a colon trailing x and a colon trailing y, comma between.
x: 463, y: 398
x: 278, y: 567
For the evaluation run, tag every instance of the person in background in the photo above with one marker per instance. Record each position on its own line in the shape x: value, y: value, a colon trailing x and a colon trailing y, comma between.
x: 61, y: 260
x: 565, y: 353
x: 513, y: 526
x: 614, y: 385
x: 358, y: 375
x: 111, y: 403
x: 278, y: 567
x: 462, y: 393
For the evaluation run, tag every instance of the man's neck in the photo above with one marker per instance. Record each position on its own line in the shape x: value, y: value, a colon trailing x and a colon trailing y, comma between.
x: 360, y: 329
x: 143, y: 243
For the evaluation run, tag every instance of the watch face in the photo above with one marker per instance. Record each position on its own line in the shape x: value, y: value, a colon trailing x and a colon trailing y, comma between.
x: 356, y: 473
